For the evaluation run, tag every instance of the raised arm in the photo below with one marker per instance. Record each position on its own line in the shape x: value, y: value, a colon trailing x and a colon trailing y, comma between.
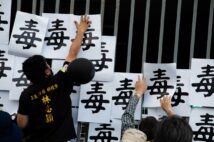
x: 81, y: 27
x: 165, y: 103
x: 128, y: 115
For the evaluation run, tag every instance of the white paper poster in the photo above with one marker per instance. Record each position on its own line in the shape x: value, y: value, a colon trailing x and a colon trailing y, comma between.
x: 161, y: 80
x: 95, y: 102
x: 19, y: 79
x: 105, y: 132
x: 58, y: 35
x: 201, y: 122
x: 5, y: 14
x: 124, y: 85
x: 6, y: 68
x: 202, y: 82
x: 28, y: 34
x: 92, y: 38
x: 105, y: 65
x: 180, y: 99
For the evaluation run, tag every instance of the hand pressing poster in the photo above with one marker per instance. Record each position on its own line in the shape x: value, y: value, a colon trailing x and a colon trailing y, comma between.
x: 202, y: 82
x: 90, y: 48
x: 28, y: 34
x: 5, y: 13
x: 161, y: 80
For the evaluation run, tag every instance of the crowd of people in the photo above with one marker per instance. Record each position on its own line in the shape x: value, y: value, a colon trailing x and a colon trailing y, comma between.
x: 44, y: 112
x: 173, y: 128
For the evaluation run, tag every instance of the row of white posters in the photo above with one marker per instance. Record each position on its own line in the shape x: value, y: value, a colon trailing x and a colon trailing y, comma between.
x: 105, y: 98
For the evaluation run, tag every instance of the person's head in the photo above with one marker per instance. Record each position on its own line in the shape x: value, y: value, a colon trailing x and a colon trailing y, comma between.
x: 9, y: 131
x: 148, y: 126
x: 36, y: 69
x: 81, y: 70
x: 173, y: 129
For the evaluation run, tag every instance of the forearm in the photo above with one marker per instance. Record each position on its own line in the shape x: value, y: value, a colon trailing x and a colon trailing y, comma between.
x: 170, y: 113
x: 128, y: 115
x: 75, y: 47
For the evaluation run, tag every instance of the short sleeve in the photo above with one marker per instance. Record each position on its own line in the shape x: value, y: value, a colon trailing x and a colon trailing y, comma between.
x: 23, y: 105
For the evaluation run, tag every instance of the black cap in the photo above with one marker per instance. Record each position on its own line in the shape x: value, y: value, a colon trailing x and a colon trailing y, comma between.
x: 81, y: 70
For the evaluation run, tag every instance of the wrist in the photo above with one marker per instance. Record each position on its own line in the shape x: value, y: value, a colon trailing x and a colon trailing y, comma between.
x: 138, y: 94
x: 170, y: 113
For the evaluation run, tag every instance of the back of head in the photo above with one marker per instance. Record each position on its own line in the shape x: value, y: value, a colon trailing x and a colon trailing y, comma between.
x: 174, y: 129
x: 34, y: 68
x: 81, y: 70
x: 148, y: 126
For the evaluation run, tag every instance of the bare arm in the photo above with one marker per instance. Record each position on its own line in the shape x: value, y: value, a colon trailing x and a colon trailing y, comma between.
x: 165, y: 103
x: 82, y: 26
x: 22, y: 120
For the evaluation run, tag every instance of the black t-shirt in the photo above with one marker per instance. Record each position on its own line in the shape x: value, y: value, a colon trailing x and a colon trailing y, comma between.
x: 48, y: 107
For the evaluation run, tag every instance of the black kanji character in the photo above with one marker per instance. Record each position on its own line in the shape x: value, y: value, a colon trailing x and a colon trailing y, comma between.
x: 57, y: 37
x: 2, y: 21
x: 207, y: 81
x: 100, y: 64
x: 28, y: 36
x: 104, y: 135
x: 22, y: 80
x: 124, y: 94
x: 2, y: 64
x: 177, y: 97
x: 96, y: 101
x: 206, y: 131
x: 160, y: 85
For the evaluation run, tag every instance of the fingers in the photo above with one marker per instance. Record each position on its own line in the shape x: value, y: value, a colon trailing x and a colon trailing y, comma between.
x: 165, y: 101
x: 139, y: 78
x: 85, y: 18
x: 165, y: 98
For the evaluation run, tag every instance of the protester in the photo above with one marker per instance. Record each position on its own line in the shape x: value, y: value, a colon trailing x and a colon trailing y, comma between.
x: 129, y: 132
x: 44, y: 111
x: 171, y: 129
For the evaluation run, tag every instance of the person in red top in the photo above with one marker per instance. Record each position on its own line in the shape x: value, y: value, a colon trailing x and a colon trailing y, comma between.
x: 44, y: 111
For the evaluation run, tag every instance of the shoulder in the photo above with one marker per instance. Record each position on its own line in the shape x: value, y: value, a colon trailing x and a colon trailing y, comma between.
x: 27, y: 92
x: 134, y: 135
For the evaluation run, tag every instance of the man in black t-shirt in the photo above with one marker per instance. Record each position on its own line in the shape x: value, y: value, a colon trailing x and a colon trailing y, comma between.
x: 44, y: 110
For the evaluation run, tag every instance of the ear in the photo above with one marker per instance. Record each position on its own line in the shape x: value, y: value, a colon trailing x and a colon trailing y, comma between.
x: 47, y: 72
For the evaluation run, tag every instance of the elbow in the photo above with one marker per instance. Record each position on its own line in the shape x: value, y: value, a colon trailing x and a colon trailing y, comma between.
x: 22, y: 121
